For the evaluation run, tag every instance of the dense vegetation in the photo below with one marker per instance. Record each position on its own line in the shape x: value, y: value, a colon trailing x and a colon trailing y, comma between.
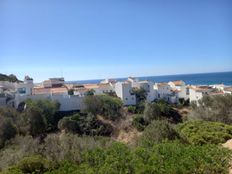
x: 86, y: 124
x: 158, y: 110
x: 40, y: 139
x: 201, y: 132
x: 216, y: 108
x: 10, y: 78
x: 105, y: 105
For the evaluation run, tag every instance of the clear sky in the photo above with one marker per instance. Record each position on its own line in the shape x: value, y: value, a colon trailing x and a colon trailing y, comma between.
x: 92, y: 39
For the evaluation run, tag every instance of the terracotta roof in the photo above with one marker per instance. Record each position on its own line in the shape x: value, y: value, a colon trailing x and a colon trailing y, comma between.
x: 228, y: 89
x: 82, y: 90
x: 216, y: 93
x: 41, y: 90
x: 103, y: 86
x: 175, y: 90
x: 178, y: 82
x: 91, y: 86
x: 162, y: 84
x: 200, y: 88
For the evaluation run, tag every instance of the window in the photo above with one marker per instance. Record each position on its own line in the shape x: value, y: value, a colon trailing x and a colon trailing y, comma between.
x: 22, y: 90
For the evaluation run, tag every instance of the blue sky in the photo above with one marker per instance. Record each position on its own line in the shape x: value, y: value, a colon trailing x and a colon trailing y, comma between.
x: 92, y: 39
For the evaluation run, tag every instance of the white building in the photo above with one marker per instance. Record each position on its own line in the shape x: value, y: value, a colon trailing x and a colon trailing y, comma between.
x: 227, y: 90
x: 124, y: 91
x: 101, y: 88
x: 197, y: 92
x: 67, y: 102
x: 53, y: 82
x: 134, y: 82
x: 181, y: 89
x: 26, y: 87
x: 165, y: 92
x: 152, y: 94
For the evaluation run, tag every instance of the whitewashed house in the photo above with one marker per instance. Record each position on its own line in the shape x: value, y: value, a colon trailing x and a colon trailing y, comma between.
x: 26, y: 87
x: 164, y: 91
x: 124, y: 91
x: 152, y: 94
x: 53, y: 82
x: 227, y: 90
x: 134, y: 82
x: 180, y: 88
x: 101, y: 88
x: 197, y: 92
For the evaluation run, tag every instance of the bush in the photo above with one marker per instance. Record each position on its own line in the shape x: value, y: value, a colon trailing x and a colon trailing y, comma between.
x: 160, y: 110
x: 33, y: 122
x: 7, y: 130
x: 179, y: 158
x: 159, y: 159
x: 85, y: 124
x: 139, y: 122
x: 105, y: 105
x: 76, y: 155
x: 46, y: 108
x: 202, y: 132
x: 216, y: 108
x: 56, y: 148
x: 158, y: 131
x: 33, y: 164
x: 114, y: 159
x: 131, y: 109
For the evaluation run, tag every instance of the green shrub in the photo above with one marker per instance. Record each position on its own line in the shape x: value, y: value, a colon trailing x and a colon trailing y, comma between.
x: 161, y: 158
x: 139, y: 123
x: 114, y: 159
x: 33, y: 164
x: 217, y: 108
x: 85, y: 124
x: 46, y: 108
x: 203, y: 132
x: 178, y: 158
x: 7, y: 130
x: 131, y: 109
x: 105, y: 105
x: 160, y: 110
x: 158, y: 131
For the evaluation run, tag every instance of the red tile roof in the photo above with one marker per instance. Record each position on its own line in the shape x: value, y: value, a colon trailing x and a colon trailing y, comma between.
x: 58, y: 90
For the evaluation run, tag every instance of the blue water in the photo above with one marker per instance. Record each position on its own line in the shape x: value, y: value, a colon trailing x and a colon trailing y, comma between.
x: 192, y: 79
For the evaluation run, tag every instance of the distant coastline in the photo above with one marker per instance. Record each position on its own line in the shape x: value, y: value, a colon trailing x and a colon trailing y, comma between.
x: 192, y: 79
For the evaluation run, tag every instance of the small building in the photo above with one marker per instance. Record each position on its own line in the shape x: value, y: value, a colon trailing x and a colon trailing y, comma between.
x: 152, y: 94
x: 25, y: 88
x: 180, y: 88
x: 51, y: 91
x: 53, y: 82
x: 165, y: 92
x: 124, y: 91
x: 227, y: 90
x: 197, y: 92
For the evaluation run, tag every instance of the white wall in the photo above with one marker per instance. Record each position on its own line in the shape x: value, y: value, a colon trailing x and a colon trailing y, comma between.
x: 194, y: 95
x: 67, y: 102
x: 123, y: 91
x: 182, y: 90
x: 152, y: 93
x: 7, y: 85
x: 2, y: 101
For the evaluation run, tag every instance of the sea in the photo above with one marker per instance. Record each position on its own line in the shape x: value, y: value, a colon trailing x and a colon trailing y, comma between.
x: 191, y: 79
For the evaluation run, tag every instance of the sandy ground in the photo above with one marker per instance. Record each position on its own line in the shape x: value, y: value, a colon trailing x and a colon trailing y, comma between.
x: 228, y: 145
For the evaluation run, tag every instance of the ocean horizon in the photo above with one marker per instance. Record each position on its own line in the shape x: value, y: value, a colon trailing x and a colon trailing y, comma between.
x: 191, y: 79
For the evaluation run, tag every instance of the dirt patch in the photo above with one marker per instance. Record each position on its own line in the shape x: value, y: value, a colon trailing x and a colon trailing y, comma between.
x: 228, y: 145
x: 123, y: 129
